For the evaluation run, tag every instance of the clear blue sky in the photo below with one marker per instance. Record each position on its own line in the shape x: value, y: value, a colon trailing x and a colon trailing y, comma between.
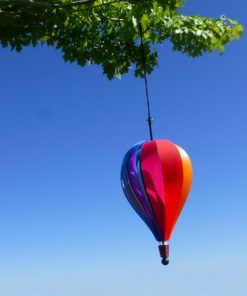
x: 66, y: 227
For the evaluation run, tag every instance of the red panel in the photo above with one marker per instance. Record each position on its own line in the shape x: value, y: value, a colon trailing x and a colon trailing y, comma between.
x: 172, y: 173
x: 153, y: 181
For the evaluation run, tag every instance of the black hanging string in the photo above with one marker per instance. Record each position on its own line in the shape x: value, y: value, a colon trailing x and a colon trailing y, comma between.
x: 149, y: 119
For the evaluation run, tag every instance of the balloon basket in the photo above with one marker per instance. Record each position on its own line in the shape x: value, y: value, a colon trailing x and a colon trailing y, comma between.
x: 164, y: 253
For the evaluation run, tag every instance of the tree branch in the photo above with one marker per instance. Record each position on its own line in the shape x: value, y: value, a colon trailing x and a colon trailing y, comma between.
x: 47, y: 5
x: 31, y: 2
x: 75, y: 3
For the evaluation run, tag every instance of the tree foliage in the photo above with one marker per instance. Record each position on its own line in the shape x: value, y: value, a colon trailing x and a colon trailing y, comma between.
x: 107, y: 32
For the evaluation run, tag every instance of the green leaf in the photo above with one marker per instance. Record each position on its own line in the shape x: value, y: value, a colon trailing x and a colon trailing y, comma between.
x: 145, y: 22
x: 238, y: 31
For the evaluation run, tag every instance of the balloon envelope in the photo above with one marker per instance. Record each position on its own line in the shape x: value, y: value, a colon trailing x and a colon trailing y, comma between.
x: 156, y: 177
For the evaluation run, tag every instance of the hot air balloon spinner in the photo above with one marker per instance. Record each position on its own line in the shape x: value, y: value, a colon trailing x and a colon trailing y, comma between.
x: 156, y: 177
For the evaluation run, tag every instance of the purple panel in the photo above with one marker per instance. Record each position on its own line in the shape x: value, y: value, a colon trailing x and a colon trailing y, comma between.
x: 137, y: 188
x: 130, y: 195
